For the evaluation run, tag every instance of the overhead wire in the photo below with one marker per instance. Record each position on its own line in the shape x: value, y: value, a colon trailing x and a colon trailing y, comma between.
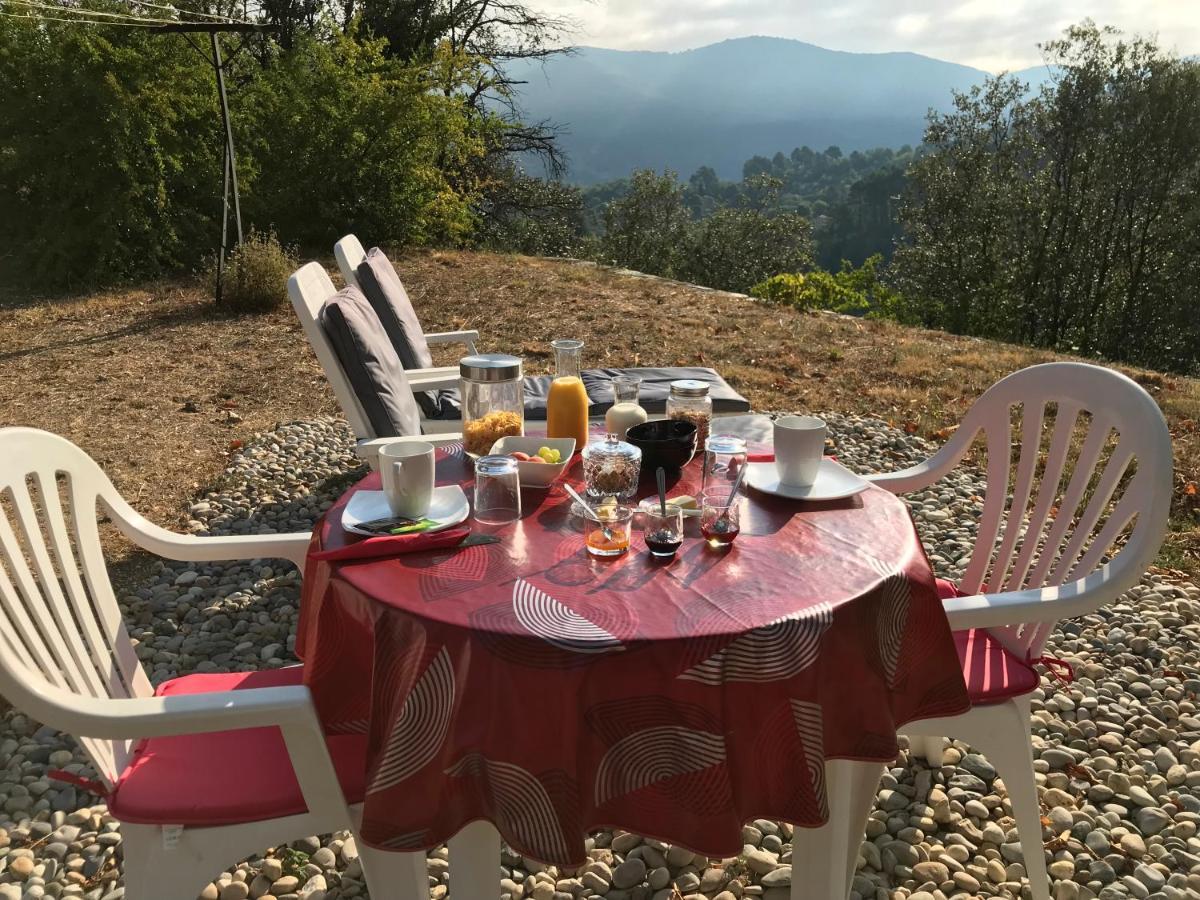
x: 86, y: 14
x: 190, y: 12
x: 130, y: 23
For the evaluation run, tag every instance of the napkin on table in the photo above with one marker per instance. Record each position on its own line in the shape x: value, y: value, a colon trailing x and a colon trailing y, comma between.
x: 394, y: 545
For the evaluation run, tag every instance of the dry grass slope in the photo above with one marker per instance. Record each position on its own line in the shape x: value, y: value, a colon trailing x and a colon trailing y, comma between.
x: 157, y: 384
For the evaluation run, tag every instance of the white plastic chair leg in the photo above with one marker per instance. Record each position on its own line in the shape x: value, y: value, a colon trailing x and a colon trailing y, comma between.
x: 823, y: 859
x: 394, y: 876
x: 1001, y: 732
x: 1010, y: 750
x: 931, y: 749
x: 475, y: 862
x: 152, y: 873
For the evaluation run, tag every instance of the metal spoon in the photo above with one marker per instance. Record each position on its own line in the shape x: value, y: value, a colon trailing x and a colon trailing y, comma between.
x: 661, y: 477
x: 733, y: 492
x: 591, y: 513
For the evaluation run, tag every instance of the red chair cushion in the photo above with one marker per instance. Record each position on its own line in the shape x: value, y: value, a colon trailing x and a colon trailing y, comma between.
x: 225, y: 777
x: 991, y: 671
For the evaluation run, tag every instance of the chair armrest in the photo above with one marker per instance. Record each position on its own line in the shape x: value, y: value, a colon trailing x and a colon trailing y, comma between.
x: 454, y: 337
x: 439, y: 378
x: 192, y: 548
x: 368, y: 451
x: 1047, y: 604
x: 940, y: 464
x: 142, y: 717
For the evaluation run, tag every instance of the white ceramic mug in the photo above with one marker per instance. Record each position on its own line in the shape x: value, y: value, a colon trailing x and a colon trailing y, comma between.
x: 407, y: 471
x: 799, y: 446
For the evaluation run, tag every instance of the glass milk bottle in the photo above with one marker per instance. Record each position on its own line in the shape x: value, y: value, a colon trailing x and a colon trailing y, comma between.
x: 625, y: 411
x: 567, y: 405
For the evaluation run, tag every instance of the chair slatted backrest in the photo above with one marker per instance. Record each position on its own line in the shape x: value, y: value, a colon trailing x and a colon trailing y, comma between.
x: 309, y: 288
x: 1090, y: 483
x: 59, y: 620
x: 349, y: 253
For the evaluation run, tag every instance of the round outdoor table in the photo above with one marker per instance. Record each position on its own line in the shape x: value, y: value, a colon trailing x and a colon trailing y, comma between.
x: 550, y: 693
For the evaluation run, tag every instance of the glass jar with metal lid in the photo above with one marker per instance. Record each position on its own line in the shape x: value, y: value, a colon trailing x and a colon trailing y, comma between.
x: 611, y: 468
x: 493, y: 399
x: 689, y: 401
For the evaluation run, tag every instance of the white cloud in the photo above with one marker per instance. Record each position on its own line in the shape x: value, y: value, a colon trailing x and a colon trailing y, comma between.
x: 990, y: 34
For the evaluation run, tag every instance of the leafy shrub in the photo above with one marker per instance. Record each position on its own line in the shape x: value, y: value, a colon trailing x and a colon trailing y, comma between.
x: 851, y: 291
x: 110, y: 163
x: 343, y: 138
x: 256, y: 274
x: 108, y: 169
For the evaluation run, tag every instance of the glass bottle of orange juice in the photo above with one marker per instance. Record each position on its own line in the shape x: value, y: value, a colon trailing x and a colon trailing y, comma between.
x: 567, y: 405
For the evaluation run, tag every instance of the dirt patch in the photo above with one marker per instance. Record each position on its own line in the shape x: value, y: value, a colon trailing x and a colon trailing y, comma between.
x: 158, y: 385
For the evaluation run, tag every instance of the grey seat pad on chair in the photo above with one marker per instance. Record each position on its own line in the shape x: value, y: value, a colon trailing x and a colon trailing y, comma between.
x: 656, y: 385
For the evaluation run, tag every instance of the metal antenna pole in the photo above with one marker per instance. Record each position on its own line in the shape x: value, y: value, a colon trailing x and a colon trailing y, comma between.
x: 237, y: 203
x: 229, y: 169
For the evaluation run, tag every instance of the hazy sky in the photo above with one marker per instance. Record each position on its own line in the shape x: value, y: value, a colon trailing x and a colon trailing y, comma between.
x: 989, y: 34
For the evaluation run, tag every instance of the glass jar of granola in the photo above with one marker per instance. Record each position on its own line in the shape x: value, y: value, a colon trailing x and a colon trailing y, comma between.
x: 493, y: 399
x: 690, y: 402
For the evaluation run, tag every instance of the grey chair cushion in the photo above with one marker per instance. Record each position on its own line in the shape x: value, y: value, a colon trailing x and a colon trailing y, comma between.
x: 656, y: 386
x: 387, y: 296
x: 370, y: 363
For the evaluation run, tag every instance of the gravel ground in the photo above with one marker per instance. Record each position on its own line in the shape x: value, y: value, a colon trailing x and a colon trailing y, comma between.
x: 1118, y: 752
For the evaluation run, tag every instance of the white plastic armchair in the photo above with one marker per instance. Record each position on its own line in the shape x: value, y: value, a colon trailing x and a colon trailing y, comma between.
x: 1035, y: 564
x: 1059, y: 551
x: 67, y: 660
x: 349, y: 253
x: 309, y: 288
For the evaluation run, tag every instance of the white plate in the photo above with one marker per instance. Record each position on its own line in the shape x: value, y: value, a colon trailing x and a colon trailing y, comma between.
x: 449, y: 507
x: 833, y: 482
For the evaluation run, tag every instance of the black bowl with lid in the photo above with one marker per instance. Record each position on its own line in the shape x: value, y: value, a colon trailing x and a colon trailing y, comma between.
x: 666, y: 443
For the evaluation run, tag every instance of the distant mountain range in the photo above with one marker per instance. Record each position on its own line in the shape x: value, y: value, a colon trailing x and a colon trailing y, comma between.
x: 721, y: 104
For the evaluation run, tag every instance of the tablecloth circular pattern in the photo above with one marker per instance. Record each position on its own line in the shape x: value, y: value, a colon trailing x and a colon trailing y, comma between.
x: 550, y: 693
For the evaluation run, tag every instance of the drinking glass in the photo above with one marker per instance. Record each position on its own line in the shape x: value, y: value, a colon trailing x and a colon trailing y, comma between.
x: 663, y: 532
x: 497, y: 490
x: 719, y: 516
x: 724, y: 456
x: 609, y: 537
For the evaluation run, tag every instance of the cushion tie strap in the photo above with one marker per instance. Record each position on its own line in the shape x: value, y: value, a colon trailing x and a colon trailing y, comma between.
x: 88, y: 784
x: 1063, y: 671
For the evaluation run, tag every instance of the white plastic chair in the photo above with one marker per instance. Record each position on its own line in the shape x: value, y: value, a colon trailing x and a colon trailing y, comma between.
x: 67, y: 660
x: 349, y: 253
x: 309, y: 288
x: 1034, y: 564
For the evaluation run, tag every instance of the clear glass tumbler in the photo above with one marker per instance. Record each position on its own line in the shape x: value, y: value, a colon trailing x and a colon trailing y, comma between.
x: 610, y: 536
x: 724, y: 456
x: 497, y: 490
x: 719, y: 516
x: 662, y: 532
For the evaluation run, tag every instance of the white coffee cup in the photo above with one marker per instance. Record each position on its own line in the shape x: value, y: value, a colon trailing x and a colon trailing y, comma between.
x: 799, y: 447
x: 407, y: 469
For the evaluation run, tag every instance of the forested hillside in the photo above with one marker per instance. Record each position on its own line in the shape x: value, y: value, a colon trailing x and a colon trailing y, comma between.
x: 722, y: 104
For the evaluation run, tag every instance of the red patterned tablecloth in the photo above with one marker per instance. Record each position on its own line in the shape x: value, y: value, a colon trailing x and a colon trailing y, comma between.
x: 551, y: 693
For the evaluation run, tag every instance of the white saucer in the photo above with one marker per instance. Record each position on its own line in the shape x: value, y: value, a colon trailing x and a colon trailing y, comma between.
x: 449, y: 507
x: 833, y: 482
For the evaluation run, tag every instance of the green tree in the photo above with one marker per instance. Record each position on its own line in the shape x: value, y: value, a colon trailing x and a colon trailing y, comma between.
x: 737, y: 247
x: 646, y: 228
x: 343, y: 138
x: 1068, y: 219
x: 109, y: 161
